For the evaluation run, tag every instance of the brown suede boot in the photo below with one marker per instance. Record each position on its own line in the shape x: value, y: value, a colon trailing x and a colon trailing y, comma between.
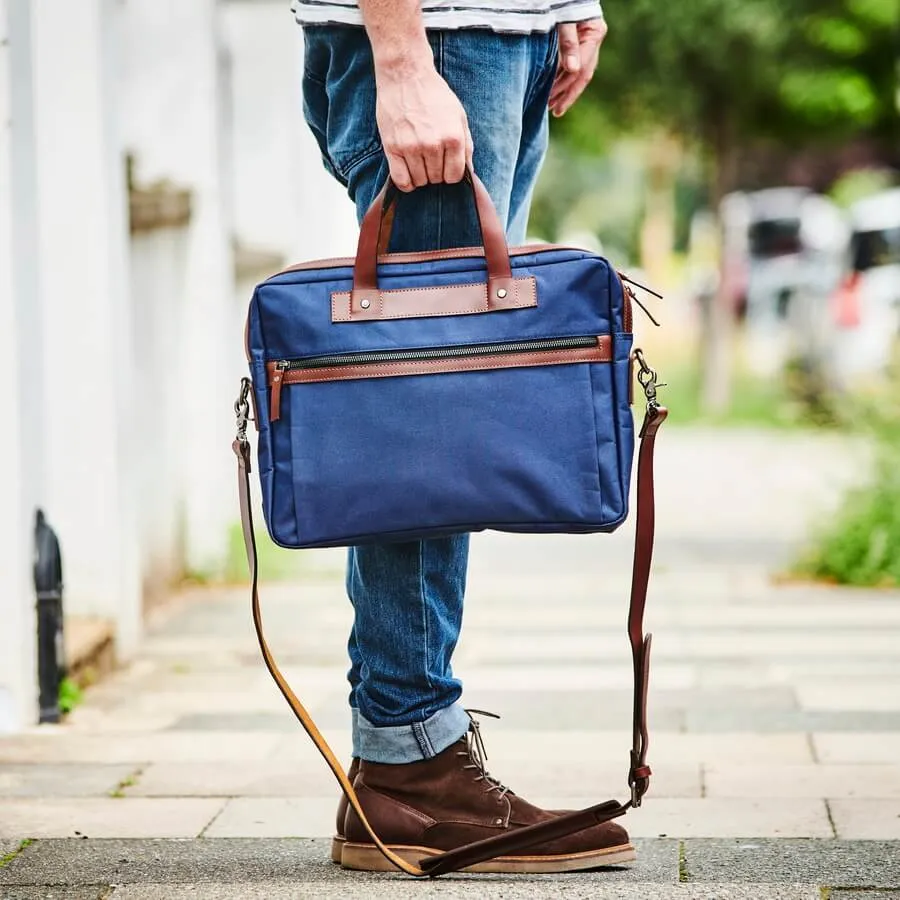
x: 337, y: 842
x: 423, y: 808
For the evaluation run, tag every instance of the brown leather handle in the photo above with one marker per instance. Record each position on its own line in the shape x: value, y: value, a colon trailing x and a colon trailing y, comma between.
x: 375, y: 232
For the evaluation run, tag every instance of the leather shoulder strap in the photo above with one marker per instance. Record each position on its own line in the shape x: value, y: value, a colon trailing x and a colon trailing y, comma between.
x: 520, y: 839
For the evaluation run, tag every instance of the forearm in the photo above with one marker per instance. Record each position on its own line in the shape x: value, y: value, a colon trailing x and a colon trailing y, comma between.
x: 397, y: 35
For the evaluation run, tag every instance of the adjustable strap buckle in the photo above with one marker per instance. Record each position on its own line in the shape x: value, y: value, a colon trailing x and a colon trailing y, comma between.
x: 648, y: 379
x: 242, y: 410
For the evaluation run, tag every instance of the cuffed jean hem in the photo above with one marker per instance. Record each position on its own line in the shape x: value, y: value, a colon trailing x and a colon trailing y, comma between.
x: 409, y: 743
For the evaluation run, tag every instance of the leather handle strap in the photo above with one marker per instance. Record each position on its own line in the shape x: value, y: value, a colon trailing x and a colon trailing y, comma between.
x: 375, y: 232
x: 520, y: 839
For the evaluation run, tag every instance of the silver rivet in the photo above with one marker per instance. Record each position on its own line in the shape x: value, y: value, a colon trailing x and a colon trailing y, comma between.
x: 365, y: 304
x: 501, y: 293
x: 498, y: 821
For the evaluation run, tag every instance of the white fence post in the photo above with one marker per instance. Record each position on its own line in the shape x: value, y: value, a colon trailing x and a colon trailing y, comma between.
x: 21, y: 436
x: 83, y: 234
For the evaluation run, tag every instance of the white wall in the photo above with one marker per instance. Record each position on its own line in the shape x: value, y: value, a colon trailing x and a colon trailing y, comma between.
x: 20, y: 372
x: 83, y: 248
x: 284, y: 200
x: 173, y: 121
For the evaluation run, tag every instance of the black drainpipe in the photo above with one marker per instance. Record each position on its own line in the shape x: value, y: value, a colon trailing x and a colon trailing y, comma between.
x: 48, y: 585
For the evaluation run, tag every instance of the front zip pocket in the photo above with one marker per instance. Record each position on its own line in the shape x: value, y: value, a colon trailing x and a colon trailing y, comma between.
x: 433, y: 361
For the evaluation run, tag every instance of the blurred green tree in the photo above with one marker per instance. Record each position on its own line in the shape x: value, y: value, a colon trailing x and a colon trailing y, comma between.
x: 720, y: 75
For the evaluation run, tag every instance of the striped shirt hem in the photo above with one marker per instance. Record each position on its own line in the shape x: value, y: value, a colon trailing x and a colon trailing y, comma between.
x: 496, y: 15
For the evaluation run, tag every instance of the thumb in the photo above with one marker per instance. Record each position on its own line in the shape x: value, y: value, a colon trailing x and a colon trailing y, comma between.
x: 569, y: 55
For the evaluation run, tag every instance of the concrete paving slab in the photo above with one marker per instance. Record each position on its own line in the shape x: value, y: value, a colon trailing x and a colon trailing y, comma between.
x: 711, y: 817
x: 64, y: 747
x: 234, y: 861
x: 584, y: 782
x: 564, y: 710
x: 589, y: 886
x: 861, y: 694
x: 307, y: 778
x: 823, y: 780
x: 870, y: 864
x: 268, y: 817
x: 776, y: 643
x: 97, y: 892
x: 106, y: 818
x: 672, y: 749
x: 61, y: 780
x: 578, y: 678
x: 768, y: 721
x: 564, y: 649
x: 279, y: 722
x: 857, y: 748
x: 877, y: 820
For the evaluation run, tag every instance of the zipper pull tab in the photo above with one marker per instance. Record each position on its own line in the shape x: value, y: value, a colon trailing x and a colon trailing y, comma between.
x: 275, y: 387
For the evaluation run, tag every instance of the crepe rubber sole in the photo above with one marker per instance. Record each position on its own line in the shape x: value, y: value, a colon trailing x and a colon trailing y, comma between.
x: 368, y: 858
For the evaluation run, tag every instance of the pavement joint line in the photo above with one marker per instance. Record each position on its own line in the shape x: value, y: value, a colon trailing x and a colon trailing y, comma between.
x: 24, y: 844
x: 212, y: 821
x: 812, y: 748
x: 830, y: 817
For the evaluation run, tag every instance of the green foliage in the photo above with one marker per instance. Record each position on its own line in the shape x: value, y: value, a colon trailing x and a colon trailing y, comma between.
x: 70, y: 695
x: 860, y: 183
x: 720, y: 73
x: 9, y: 857
x: 861, y: 546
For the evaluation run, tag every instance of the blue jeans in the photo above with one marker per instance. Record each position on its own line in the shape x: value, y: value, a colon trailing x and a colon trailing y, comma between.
x: 408, y: 597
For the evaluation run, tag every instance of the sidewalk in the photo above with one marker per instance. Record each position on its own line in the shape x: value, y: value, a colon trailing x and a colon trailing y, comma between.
x: 775, y: 715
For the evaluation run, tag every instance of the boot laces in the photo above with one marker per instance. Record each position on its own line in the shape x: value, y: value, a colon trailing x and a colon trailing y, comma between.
x: 477, y: 755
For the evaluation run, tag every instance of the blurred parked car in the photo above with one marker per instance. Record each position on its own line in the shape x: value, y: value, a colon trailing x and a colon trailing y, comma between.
x: 866, y: 306
x: 788, y: 246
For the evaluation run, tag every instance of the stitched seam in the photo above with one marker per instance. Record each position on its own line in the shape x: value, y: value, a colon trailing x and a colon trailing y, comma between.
x: 361, y: 157
x: 425, y: 748
x: 423, y: 601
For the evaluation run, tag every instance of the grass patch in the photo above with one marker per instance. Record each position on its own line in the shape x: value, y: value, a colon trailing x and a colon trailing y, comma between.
x: 118, y: 792
x: 275, y: 563
x: 9, y: 857
x: 860, y: 546
x: 682, y: 863
x: 776, y: 402
x: 70, y: 695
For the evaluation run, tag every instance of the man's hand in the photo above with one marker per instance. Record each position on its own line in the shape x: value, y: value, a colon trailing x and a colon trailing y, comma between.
x: 579, y: 46
x: 423, y: 126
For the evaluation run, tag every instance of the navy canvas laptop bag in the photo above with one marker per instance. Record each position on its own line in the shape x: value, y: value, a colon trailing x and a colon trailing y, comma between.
x: 404, y: 396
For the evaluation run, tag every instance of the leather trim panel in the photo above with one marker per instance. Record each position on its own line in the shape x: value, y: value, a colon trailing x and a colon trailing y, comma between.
x: 442, y: 300
x: 602, y: 353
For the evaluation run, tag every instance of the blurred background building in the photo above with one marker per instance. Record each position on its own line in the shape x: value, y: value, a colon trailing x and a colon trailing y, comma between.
x: 154, y: 165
